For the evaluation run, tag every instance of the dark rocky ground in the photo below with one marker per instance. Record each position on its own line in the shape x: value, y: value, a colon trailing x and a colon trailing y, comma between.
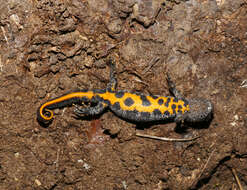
x: 50, y: 47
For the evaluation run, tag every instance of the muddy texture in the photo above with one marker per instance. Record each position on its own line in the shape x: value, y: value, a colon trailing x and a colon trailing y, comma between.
x: 49, y: 47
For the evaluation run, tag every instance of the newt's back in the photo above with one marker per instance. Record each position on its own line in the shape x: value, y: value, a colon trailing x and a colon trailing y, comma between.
x: 139, y: 107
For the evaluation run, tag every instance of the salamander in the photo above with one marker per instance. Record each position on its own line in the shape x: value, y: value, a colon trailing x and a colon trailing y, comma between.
x: 135, y: 107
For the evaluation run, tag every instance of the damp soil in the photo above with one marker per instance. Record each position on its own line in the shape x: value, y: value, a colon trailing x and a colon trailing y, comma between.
x: 50, y: 47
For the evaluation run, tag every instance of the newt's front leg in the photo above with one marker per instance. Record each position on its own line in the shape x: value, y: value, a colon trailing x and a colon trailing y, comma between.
x: 172, y: 88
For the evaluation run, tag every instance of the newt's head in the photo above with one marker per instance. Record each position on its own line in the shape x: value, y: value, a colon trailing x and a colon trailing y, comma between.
x: 201, y: 110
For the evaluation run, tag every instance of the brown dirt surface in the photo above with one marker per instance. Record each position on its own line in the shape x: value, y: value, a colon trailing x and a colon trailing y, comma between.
x: 50, y: 47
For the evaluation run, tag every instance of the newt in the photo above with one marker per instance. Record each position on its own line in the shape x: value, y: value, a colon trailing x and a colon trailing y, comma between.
x: 135, y: 107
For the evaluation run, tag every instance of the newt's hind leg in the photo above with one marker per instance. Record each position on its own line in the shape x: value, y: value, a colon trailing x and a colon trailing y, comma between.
x: 99, y: 108
x: 172, y: 88
x: 112, y: 85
